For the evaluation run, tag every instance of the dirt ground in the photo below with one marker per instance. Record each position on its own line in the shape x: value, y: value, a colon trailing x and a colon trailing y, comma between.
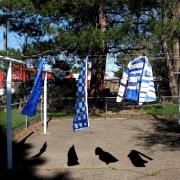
x: 46, y: 156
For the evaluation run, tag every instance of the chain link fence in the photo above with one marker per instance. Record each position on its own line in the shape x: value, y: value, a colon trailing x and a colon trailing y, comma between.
x: 166, y: 106
x: 170, y: 105
x: 65, y: 107
x: 106, y: 108
x: 60, y: 105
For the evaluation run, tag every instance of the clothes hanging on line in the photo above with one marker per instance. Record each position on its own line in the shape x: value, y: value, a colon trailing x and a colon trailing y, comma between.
x: 29, y: 108
x: 137, y: 82
x: 81, y: 115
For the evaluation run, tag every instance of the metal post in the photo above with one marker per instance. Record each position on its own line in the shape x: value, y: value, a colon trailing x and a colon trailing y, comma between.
x: 8, y: 107
x: 179, y: 105
x: 106, y: 108
x: 26, y: 122
x: 163, y: 106
x: 45, y: 103
x: 178, y: 73
x: 41, y: 109
x: 86, y: 86
x: 9, y: 116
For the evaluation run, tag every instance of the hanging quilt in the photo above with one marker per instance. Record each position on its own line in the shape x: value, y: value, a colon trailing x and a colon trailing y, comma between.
x: 137, y: 82
x: 29, y: 108
x: 81, y: 115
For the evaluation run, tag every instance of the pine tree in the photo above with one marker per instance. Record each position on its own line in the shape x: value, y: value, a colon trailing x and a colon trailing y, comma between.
x: 170, y: 27
x: 91, y: 27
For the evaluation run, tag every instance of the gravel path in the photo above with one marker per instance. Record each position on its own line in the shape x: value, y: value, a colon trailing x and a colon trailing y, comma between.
x: 157, y: 138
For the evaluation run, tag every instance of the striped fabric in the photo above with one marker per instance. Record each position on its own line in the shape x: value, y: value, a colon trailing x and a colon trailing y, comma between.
x: 81, y: 117
x: 137, y: 82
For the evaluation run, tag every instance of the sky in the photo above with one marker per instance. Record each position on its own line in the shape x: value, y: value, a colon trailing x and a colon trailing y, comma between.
x: 111, y: 67
x: 15, y: 41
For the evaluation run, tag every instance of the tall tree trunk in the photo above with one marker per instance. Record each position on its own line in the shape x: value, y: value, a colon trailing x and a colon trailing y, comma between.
x: 97, y: 75
x: 176, y: 65
x: 171, y: 52
x: 176, y: 50
x: 99, y: 59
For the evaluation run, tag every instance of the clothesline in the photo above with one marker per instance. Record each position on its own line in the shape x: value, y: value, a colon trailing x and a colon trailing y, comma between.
x: 126, y: 58
x: 111, y: 55
x: 112, y: 58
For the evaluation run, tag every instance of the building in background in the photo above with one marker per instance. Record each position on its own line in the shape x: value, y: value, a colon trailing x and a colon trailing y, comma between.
x: 20, y: 74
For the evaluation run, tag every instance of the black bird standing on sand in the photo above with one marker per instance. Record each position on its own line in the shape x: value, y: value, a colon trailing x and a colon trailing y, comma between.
x: 22, y: 142
x: 105, y: 156
x: 136, y: 159
x: 72, y: 157
x: 41, y: 151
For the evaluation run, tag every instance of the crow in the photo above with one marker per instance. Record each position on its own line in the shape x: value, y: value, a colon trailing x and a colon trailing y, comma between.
x: 72, y: 157
x: 136, y: 159
x: 105, y: 156
x: 41, y: 151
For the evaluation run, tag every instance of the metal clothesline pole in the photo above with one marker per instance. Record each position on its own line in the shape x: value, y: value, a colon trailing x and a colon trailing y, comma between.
x: 9, y: 116
x: 4, y: 58
x: 8, y: 106
x: 41, y: 109
x: 44, y: 111
x: 178, y: 73
x: 45, y: 102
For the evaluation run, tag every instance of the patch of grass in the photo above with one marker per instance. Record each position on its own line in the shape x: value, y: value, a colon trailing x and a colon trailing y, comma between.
x: 17, y: 118
x: 166, y: 109
x: 62, y: 113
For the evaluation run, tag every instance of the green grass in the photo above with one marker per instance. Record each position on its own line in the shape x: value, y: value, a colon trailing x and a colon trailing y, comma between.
x: 62, y: 113
x: 17, y: 118
x: 166, y: 109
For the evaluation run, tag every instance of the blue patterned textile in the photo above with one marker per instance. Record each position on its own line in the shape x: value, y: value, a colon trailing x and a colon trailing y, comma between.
x: 81, y: 117
x: 29, y: 108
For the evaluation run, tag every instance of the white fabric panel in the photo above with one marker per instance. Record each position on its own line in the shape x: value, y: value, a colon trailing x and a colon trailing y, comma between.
x: 147, y: 75
x: 134, y: 72
x: 132, y: 87
x: 151, y: 94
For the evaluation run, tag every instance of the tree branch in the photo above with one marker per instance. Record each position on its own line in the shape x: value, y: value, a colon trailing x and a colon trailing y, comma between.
x: 44, y: 53
x: 115, y: 50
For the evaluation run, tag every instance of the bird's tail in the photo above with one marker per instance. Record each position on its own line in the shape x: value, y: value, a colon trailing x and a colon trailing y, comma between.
x: 144, y: 155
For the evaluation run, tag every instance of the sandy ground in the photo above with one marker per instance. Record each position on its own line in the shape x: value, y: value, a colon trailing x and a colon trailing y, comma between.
x: 156, y: 138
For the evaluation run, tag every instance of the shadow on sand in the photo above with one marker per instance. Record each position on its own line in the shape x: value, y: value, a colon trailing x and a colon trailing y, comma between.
x: 136, y: 158
x: 23, y: 167
x: 105, y: 156
x: 164, y: 131
x: 72, y: 157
